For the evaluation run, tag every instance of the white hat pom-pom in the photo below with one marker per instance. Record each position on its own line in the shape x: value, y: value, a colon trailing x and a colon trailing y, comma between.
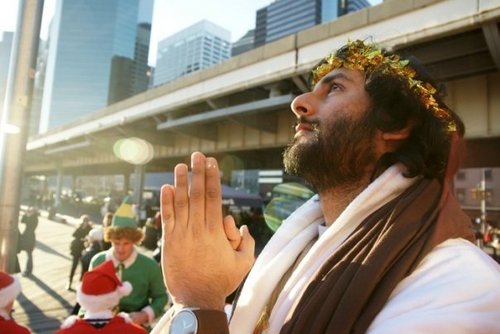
x: 125, y: 289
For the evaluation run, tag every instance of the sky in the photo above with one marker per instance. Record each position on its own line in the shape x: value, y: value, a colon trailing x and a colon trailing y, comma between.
x: 170, y: 16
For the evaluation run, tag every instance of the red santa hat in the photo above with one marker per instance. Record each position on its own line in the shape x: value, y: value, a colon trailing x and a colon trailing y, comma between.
x: 101, y: 288
x: 10, y: 287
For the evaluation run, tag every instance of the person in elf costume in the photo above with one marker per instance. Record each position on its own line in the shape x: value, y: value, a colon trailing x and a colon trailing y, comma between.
x: 149, y: 297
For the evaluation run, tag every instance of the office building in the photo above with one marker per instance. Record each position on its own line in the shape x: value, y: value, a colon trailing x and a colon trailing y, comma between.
x: 285, y: 17
x: 197, y: 47
x: 244, y: 44
x: 88, y: 41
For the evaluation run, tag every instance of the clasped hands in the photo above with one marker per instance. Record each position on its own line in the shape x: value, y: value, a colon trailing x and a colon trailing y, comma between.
x: 204, y: 255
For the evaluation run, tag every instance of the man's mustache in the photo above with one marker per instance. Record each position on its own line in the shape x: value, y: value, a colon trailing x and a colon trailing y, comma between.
x: 303, y: 120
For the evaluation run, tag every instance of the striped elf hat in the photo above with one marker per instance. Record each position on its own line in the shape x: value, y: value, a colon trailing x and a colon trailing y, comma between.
x: 124, y: 216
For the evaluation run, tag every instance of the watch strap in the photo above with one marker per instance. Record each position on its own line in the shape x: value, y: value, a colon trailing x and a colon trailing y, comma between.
x: 211, y: 321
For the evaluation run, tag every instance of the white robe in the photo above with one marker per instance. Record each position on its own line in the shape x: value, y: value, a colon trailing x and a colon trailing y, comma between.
x: 455, y: 289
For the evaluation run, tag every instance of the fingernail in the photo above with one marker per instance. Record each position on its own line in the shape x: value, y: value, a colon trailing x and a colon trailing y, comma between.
x: 195, y: 158
x: 211, y: 163
x: 180, y: 169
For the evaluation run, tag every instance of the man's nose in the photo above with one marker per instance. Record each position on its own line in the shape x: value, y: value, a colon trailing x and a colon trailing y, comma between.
x: 302, y: 105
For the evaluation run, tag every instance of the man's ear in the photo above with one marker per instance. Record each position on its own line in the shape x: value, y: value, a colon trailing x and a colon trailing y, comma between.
x: 397, y: 135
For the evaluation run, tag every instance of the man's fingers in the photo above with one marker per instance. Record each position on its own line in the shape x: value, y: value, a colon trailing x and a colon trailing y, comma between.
x: 213, y: 195
x: 247, y: 245
x: 181, y: 197
x: 232, y: 232
x: 167, y: 208
x: 197, y: 192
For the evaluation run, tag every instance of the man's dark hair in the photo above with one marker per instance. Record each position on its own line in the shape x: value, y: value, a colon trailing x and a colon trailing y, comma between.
x: 395, y: 105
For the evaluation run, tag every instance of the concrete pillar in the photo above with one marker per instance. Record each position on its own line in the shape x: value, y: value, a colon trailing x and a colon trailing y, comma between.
x: 59, y: 184
x: 16, y: 114
x: 138, y: 188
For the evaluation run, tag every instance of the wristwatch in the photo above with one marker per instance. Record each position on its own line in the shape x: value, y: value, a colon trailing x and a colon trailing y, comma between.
x: 184, y: 322
x: 198, y: 321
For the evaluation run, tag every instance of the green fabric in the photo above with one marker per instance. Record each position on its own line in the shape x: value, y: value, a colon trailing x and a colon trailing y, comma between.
x: 147, y: 282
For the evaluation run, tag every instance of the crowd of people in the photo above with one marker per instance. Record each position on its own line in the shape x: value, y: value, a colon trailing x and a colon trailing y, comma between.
x: 383, y: 246
x: 118, y: 287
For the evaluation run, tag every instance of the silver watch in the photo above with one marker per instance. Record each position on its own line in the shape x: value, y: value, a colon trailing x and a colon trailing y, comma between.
x: 184, y: 322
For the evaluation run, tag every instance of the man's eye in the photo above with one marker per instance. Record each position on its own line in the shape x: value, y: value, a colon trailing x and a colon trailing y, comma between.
x: 335, y: 87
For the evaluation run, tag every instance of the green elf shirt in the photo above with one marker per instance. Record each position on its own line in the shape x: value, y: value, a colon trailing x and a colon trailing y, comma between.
x: 144, y: 274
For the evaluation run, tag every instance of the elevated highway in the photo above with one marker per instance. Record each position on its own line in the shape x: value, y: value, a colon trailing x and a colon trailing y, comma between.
x: 239, y: 111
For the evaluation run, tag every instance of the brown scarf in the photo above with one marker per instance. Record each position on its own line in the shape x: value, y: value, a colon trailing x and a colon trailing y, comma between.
x: 354, y: 284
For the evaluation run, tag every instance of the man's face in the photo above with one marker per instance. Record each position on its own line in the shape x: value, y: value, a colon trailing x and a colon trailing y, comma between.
x: 123, y: 248
x: 333, y: 144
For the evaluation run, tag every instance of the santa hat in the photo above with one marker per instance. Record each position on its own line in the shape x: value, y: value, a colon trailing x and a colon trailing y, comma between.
x: 101, y: 288
x: 10, y: 287
x: 124, y: 216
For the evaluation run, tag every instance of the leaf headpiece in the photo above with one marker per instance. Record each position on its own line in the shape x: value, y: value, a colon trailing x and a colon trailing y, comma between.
x: 368, y: 58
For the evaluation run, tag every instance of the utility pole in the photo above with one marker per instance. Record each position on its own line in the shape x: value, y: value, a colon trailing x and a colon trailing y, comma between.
x: 16, y: 114
x: 482, y: 194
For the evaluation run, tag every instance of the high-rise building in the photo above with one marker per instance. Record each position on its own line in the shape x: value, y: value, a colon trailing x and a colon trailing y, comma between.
x: 285, y: 17
x: 88, y: 40
x: 5, y: 49
x: 197, y: 47
x: 244, y: 44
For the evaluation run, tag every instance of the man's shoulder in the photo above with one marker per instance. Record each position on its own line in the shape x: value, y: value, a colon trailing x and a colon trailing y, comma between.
x: 455, y: 286
x: 455, y: 261
x: 146, y: 260
x: 462, y: 258
x: 98, y: 259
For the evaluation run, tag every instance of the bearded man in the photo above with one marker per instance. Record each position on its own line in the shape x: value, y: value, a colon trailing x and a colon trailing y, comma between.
x: 383, y: 248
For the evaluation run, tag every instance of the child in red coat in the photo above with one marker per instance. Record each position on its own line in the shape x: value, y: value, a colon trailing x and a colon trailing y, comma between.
x: 99, y: 293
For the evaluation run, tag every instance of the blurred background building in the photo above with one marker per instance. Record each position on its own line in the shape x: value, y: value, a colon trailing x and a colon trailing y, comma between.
x: 197, y: 47
x: 96, y: 55
x: 285, y: 17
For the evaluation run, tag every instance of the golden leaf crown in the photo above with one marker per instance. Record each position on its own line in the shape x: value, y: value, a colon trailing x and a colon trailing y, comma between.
x: 368, y: 58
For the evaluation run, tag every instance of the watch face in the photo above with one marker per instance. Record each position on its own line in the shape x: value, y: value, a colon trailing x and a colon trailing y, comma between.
x: 184, y: 322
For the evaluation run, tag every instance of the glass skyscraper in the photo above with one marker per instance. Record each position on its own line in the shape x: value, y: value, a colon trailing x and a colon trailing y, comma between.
x: 88, y: 38
x: 197, y: 47
x: 285, y: 17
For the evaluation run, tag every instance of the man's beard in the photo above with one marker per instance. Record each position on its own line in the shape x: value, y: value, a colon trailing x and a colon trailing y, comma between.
x: 337, y: 155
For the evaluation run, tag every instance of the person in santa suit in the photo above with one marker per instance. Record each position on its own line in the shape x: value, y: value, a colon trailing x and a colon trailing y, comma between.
x: 99, y: 293
x: 10, y: 287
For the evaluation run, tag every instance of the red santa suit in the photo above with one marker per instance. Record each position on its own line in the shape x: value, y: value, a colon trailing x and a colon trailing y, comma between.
x: 118, y: 324
x: 12, y: 327
x: 99, y: 293
x: 10, y: 287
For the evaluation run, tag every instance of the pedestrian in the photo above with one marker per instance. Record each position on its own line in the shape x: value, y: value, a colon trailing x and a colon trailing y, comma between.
x: 383, y: 247
x: 150, y: 234
x: 94, y: 245
x: 106, y: 222
x: 28, y: 238
x: 77, y: 246
x: 99, y: 293
x: 10, y: 287
x: 149, y: 297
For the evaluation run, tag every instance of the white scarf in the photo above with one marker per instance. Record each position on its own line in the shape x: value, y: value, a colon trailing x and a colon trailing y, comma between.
x: 290, y: 240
